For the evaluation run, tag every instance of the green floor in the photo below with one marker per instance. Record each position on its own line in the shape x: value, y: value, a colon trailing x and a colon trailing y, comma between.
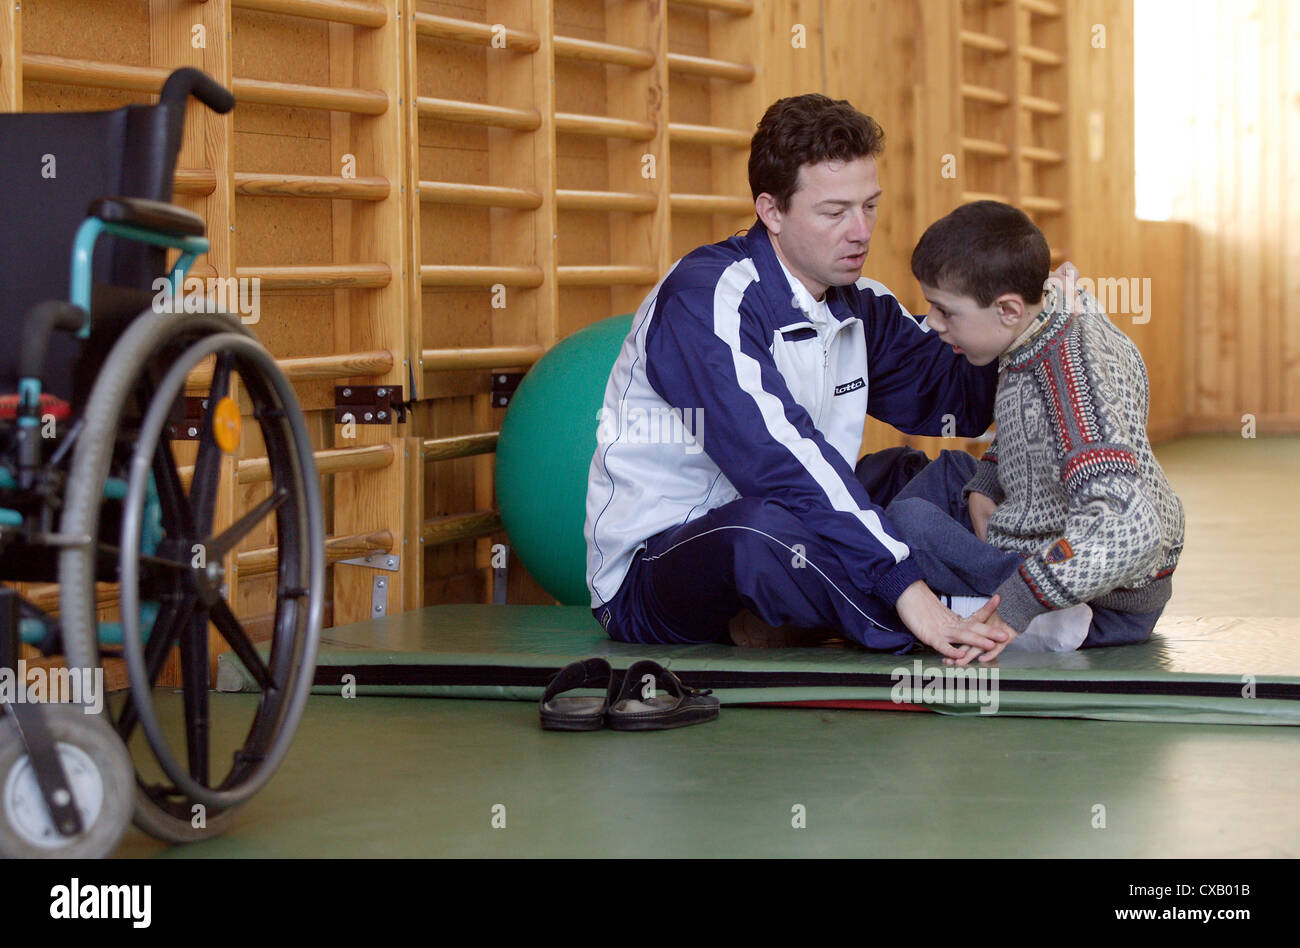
x: 412, y: 777
x: 420, y: 777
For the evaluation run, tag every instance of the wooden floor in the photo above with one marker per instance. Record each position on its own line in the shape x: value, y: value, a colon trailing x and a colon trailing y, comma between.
x: 1242, y: 551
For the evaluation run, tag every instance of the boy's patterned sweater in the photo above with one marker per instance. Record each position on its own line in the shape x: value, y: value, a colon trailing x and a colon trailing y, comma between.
x: 1080, y: 493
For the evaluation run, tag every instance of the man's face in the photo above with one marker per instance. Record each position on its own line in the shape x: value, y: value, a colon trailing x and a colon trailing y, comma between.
x: 980, y: 333
x: 823, y: 236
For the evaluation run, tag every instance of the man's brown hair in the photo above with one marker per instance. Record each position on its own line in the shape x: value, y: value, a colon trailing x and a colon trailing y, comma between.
x: 807, y: 130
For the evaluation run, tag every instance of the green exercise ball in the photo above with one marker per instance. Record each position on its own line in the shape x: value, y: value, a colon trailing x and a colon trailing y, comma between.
x: 547, y: 439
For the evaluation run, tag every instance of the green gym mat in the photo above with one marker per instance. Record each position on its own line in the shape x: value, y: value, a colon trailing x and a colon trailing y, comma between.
x: 1193, y: 670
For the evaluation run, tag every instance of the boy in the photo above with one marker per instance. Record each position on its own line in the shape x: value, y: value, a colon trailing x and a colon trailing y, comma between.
x: 1068, y: 515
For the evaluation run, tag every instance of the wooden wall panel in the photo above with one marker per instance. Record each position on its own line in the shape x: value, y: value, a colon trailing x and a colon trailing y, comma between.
x: 1237, y: 189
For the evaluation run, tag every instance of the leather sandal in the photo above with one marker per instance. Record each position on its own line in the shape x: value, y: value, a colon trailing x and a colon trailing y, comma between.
x: 667, y: 703
x: 578, y: 713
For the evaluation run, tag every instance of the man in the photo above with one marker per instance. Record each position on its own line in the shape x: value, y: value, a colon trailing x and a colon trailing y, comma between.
x: 761, y: 356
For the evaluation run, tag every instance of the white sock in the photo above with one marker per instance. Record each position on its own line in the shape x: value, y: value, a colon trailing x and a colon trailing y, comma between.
x: 1061, y: 630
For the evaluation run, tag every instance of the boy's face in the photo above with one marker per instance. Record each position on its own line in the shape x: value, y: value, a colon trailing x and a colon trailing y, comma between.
x: 823, y: 236
x: 980, y: 333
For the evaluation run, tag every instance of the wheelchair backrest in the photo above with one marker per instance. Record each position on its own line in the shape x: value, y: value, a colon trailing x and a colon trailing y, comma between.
x: 55, y: 164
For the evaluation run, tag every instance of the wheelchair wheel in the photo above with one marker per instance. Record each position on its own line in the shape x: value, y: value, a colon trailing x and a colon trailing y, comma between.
x: 99, y: 774
x: 124, y: 436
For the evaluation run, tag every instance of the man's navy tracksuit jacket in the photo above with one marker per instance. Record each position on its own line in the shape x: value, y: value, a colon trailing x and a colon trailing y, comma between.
x: 723, y: 475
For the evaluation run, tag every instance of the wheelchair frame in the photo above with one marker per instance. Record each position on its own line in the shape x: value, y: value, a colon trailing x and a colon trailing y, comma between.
x: 158, y: 522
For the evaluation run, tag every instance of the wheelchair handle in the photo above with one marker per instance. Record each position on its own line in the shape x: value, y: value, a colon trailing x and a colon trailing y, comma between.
x: 189, y: 81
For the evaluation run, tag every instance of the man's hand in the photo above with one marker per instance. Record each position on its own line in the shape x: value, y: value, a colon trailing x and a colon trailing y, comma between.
x: 943, y: 630
x: 981, y: 509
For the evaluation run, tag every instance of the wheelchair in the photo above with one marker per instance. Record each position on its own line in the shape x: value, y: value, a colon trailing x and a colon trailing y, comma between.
x: 95, y: 384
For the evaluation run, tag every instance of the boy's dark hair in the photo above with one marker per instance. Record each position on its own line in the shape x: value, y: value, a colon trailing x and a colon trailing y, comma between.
x: 982, y: 250
x: 803, y: 130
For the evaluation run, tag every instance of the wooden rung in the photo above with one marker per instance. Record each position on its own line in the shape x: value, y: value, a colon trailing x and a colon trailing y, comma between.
x: 603, y: 126
x: 311, y: 186
x: 456, y: 527
x: 194, y: 181
x: 1048, y: 205
x: 1058, y: 256
x: 83, y: 72
x: 262, y: 561
x: 983, y: 196
x: 336, y: 11
x: 341, y: 366
x: 984, y: 41
x: 679, y: 132
x: 1041, y: 7
x: 329, y: 461
x: 710, y: 68
x: 570, y: 47
x: 982, y: 146
x: 1044, y: 106
x: 710, y: 204
x: 567, y: 200
x: 984, y: 94
x: 738, y: 7
x: 459, y: 446
x: 1045, y: 156
x: 476, y: 113
x: 295, y: 94
x: 329, y: 276
x: 478, y: 195
x: 480, y: 276
x: 605, y: 275
x: 1036, y: 54
x: 489, y: 357
x: 468, y: 31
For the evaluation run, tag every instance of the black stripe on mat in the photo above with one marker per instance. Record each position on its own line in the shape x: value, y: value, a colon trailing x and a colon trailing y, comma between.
x: 522, y: 675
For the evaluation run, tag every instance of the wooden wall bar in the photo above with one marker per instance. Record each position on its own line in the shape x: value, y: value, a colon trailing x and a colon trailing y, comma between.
x: 435, y: 191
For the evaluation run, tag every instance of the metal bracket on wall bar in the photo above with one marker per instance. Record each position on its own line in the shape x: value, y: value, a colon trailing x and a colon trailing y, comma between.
x: 379, y: 597
x: 388, y: 561
x: 503, y: 387
x: 185, y: 423
x: 369, y: 404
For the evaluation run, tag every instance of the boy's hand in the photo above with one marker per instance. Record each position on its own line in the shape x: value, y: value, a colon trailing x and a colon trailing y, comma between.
x: 1066, y: 272
x: 981, y: 509
x: 943, y: 630
x: 971, y: 652
x: 987, y: 614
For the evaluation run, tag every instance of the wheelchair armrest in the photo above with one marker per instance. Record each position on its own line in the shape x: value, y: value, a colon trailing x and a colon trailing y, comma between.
x: 158, y: 216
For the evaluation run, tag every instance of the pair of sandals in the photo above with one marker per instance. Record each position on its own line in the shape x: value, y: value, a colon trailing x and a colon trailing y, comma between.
x: 650, y: 698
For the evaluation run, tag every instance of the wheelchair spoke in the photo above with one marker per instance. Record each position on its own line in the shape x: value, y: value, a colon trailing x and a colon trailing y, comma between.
x: 146, y: 559
x: 194, y: 675
x: 170, y: 492
x: 223, y: 544
x: 166, y: 629
x: 207, y: 465
x: 242, y: 645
